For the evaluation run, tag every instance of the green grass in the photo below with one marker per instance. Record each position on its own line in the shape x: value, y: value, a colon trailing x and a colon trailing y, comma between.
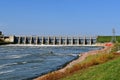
x: 106, y: 71
x: 85, y: 71
x: 91, y: 60
x: 102, y: 39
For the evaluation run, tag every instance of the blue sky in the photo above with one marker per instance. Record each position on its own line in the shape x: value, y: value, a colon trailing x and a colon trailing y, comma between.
x: 59, y: 17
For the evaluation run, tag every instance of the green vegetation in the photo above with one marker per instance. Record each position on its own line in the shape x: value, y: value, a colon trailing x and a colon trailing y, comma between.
x: 101, y: 66
x: 102, y: 39
x: 115, y: 48
x: 92, y: 60
x: 106, y: 71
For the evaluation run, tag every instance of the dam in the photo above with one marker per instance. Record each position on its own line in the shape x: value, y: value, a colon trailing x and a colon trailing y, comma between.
x: 50, y: 40
x: 54, y: 40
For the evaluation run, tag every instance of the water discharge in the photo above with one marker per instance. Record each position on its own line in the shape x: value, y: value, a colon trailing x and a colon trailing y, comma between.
x: 24, y: 62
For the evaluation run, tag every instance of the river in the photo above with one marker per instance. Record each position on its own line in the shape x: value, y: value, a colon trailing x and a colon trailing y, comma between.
x: 27, y: 62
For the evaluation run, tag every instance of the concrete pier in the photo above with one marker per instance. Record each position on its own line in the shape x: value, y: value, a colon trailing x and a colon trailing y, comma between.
x: 72, y: 40
x: 31, y: 40
x: 54, y: 41
x: 25, y: 40
x: 78, y: 41
x: 42, y: 40
x: 66, y: 41
x: 60, y: 39
x: 19, y: 40
x: 48, y: 40
x: 37, y: 40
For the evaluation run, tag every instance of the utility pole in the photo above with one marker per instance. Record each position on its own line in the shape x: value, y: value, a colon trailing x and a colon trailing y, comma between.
x: 113, y: 36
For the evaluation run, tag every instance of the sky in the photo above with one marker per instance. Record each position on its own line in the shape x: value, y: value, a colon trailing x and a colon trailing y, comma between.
x: 59, y: 17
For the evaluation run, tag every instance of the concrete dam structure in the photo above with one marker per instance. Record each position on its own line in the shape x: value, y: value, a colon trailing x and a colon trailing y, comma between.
x: 54, y: 40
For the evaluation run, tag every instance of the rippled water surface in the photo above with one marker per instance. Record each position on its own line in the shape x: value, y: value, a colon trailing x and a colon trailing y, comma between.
x: 21, y: 62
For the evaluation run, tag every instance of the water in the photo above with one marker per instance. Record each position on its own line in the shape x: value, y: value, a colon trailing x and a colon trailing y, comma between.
x: 23, y: 63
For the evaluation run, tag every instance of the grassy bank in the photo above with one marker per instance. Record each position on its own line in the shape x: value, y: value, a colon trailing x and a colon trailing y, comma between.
x: 106, y: 71
x: 105, y: 66
x: 101, y: 57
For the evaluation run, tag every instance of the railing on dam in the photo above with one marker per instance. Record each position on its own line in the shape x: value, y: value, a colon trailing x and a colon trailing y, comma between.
x: 54, y: 40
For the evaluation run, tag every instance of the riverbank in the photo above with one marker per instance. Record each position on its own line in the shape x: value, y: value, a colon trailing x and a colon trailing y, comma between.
x: 65, y: 71
x: 106, y: 71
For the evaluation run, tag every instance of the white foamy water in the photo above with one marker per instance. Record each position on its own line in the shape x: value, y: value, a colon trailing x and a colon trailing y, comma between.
x: 3, y: 72
x: 9, y: 64
x: 25, y: 62
x: 16, y: 56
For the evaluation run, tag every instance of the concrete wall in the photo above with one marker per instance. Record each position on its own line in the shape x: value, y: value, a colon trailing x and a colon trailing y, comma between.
x: 53, y: 40
x: 7, y: 39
